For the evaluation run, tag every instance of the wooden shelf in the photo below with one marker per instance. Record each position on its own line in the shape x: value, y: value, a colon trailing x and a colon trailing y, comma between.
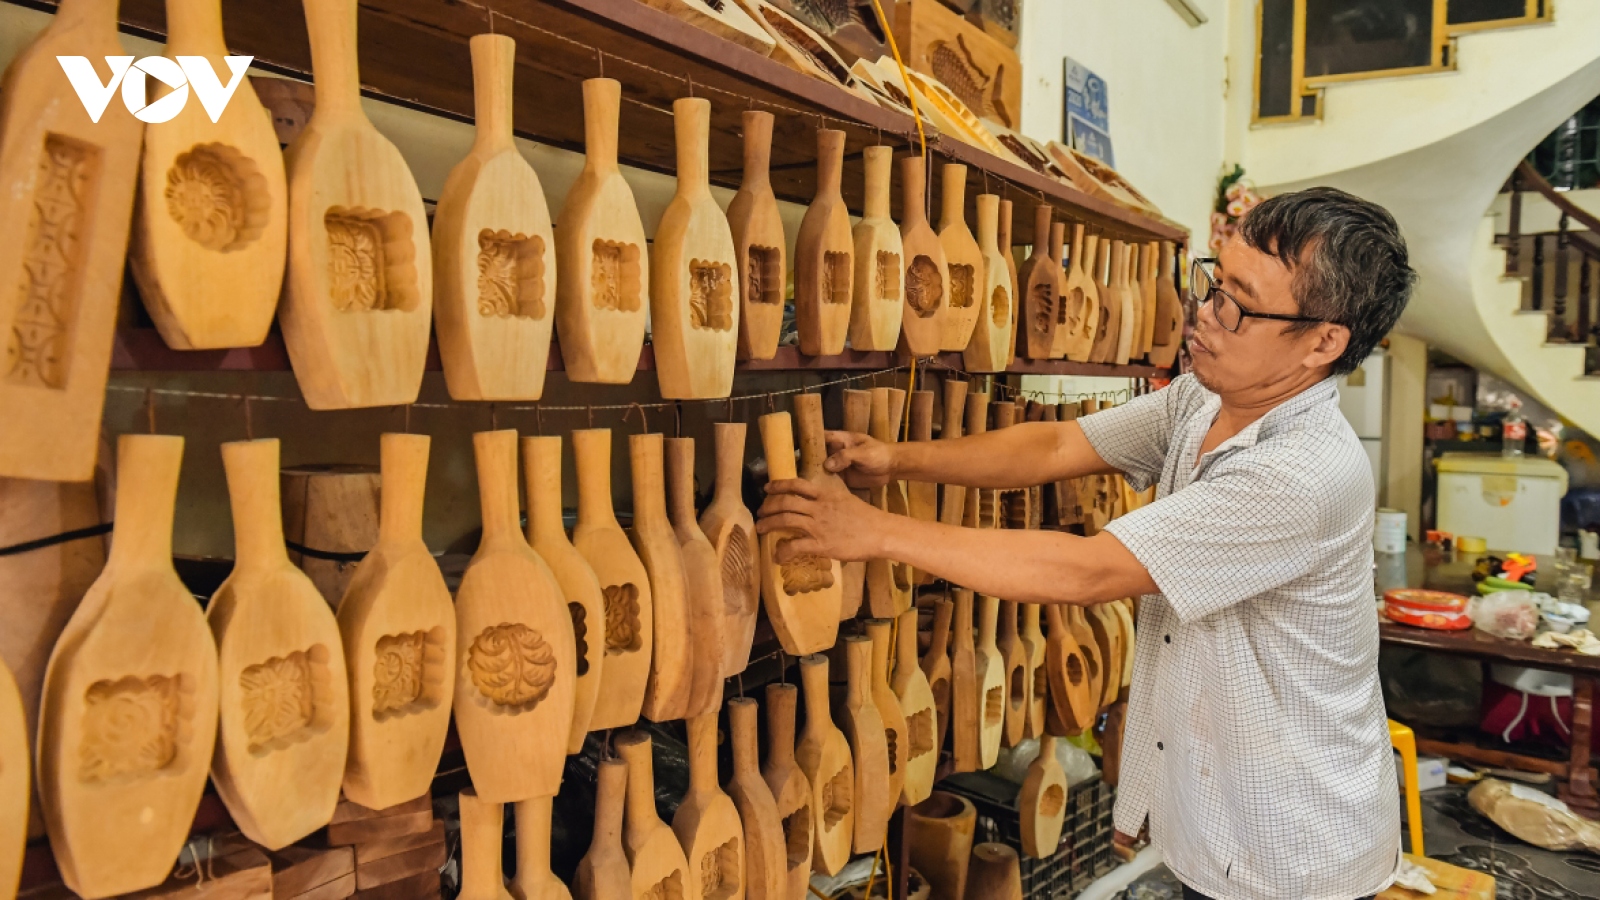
x: 414, y: 52
x: 142, y: 350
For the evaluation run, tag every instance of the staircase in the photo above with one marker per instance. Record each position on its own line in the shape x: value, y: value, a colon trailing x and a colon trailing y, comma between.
x: 1436, y: 149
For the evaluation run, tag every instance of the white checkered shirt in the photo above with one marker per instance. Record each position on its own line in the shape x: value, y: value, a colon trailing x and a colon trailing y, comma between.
x: 1256, y: 739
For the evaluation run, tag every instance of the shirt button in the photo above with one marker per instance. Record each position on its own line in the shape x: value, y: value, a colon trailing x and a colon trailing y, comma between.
x: 1160, y: 746
x: 1168, y: 638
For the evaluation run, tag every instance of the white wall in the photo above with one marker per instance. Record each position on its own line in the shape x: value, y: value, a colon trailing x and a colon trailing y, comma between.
x: 1166, y: 81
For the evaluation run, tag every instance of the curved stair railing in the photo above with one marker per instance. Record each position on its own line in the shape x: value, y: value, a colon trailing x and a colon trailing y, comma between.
x: 1546, y: 260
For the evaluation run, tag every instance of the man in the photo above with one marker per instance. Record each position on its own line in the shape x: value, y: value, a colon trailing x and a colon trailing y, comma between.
x: 1255, y: 742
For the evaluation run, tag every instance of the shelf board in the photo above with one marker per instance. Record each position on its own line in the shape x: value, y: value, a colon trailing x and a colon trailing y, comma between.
x: 142, y: 350
x: 414, y: 52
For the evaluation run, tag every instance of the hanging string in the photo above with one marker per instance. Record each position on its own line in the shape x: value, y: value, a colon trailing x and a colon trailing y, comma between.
x: 644, y: 426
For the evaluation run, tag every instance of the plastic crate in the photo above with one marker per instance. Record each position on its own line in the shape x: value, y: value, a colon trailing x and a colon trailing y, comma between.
x: 1084, y: 853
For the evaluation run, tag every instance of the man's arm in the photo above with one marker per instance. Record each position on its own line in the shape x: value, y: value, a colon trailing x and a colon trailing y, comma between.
x: 1024, y: 566
x: 1020, y: 456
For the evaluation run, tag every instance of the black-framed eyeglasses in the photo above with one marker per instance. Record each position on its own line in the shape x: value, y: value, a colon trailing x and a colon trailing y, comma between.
x: 1230, y: 313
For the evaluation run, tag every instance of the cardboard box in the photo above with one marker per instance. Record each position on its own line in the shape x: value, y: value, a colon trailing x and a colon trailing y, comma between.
x: 1430, y: 772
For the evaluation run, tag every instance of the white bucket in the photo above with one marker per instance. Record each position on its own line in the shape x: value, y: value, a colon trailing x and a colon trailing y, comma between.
x: 1389, y: 531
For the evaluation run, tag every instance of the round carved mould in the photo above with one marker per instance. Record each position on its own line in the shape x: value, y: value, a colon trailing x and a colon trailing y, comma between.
x: 218, y: 197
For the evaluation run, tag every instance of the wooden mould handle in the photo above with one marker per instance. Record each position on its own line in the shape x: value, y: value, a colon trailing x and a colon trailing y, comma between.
x: 857, y: 669
x: 878, y: 415
x: 814, y: 675
x: 649, y: 489
x: 702, y: 732
x: 955, y: 395
x: 691, y: 126
x: 1078, y: 246
x: 533, y: 844
x: 963, y: 619
x: 989, y: 220
x: 757, y: 149
x: 777, y: 442
x: 1058, y: 241
x: 147, y: 490
x: 541, y: 475
x: 1102, y: 263
x: 481, y: 847
x: 1030, y: 617
x: 977, y: 413
x: 494, y: 63
x: 252, y: 471
x: 1005, y: 414
x: 742, y: 735
x: 953, y: 209
x: 1041, y: 229
x: 988, y: 618
x: 905, y: 640
x: 680, y: 481
x: 897, y: 411
x: 496, y: 454
x: 403, y: 464
x: 1008, y: 620
x: 193, y: 27
x: 813, y: 439
x: 331, y: 26
x: 878, y: 632
x: 634, y: 748
x: 602, y: 109
x: 730, y: 459
x: 1003, y: 230
x: 913, y: 187
x: 878, y: 163
x: 591, y: 453
x: 782, y: 698
x: 922, y: 415
x: 830, y: 162
x: 939, y: 639
x: 610, y: 793
x: 858, y: 418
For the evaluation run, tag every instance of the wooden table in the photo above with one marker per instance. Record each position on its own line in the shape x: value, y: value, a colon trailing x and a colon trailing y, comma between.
x: 1576, y: 776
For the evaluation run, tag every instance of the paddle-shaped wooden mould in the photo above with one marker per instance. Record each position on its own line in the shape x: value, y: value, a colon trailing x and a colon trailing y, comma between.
x: 824, y: 251
x: 758, y: 244
x: 888, y: 704
x: 973, y: 514
x: 1038, y: 286
x: 823, y: 754
x: 1036, y: 676
x: 284, y: 696
x: 1128, y: 325
x: 534, y: 880
x: 791, y: 790
x: 702, y: 577
x: 765, y: 869
x: 863, y: 726
x: 118, y: 794
x: 629, y: 629
x: 1014, y: 660
x: 67, y: 185
x: 991, y: 669
x: 359, y: 300
x: 1003, y: 238
x: 936, y: 668
x: 927, y: 285
x: 482, y: 823
x: 546, y: 532
x: 1107, y: 631
x: 922, y: 497
x: 398, y: 627
x: 967, y: 682
x: 212, y: 205
x: 802, y: 596
x: 953, y: 498
x: 730, y: 528
x: 516, y: 658
x: 494, y: 255
x: 880, y: 273
x: 603, y: 296
x: 707, y: 822
x: 994, y: 328
x: 1072, y: 704
x: 694, y: 310
x: 857, y: 420
x: 963, y: 259
x: 659, y: 868
x: 1168, y: 335
x: 1080, y: 301
x: 1104, y: 348
x: 603, y: 872
x: 1094, y: 663
x: 16, y: 783
x: 1042, y: 802
x: 1058, y: 251
x: 666, y: 694
x: 888, y: 581
x: 920, y: 738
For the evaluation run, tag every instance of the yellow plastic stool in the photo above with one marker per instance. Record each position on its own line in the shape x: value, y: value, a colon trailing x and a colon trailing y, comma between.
x: 1406, y: 742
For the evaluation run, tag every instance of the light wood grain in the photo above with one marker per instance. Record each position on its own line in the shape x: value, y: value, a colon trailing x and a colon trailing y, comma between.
x: 723, y: 19
x: 964, y: 261
x: 398, y: 628
x: 482, y: 824
x: 1058, y: 252
x: 60, y: 286
x: 850, y: 27
x: 707, y: 822
x: 277, y: 766
x: 1094, y: 663
x: 603, y: 872
x: 1128, y: 323
x: 927, y: 282
x: 939, y: 841
x: 759, y: 245
x: 791, y: 790
x: 580, y: 588
x: 1081, y: 300
x: 992, y: 687
x: 973, y: 514
x: 863, y: 726
x: 333, y: 508
x: 667, y: 693
x: 1004, y: 238
x: 703, y: 579
x: 802, y: 597
x: 824, y: 257
x: 1107, y: 631
x: 800, y: 48
x: 1072, y: 704
x: 953, y: 498
x: 966, y: 688
x: 16, y: 784
x: 1169, y: 312
x: 730, y: 528
x: 877, y: 306
x: 765, y: 868
x: 1014, y: 662
x: 857, y: 420
x: 358, y: 303
x: 694, y: 313
x: 212, y: 206
x: 1148, y: 265
x: 624, y: 583
x: 980, y: 70
x: 823, y: 754
x: 1038, y: 287
x: 922, y: 497
x: 1104, y: 349
x: 1042, y: 802
x: 494, y: 258
x: 936, y: 667
x: 655, y: 858
x: 994, y: 873
x: 517, y: 658
x: 1036, y: 676
x: 534, y: 880
x: 888, y: 581
x: 919, y: 740
x: 138, y: 638
x: 888, y: 704
x: 994, y: 329
x: 603, y: 296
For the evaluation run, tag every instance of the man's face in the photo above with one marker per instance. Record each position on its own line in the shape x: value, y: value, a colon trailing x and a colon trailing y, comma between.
x: 1262, y: 352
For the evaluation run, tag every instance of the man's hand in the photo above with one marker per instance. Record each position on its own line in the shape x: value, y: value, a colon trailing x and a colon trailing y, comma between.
x: 861, y: 461
x: 826, y: 520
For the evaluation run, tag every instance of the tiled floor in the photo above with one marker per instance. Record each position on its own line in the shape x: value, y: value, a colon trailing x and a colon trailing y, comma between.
x: 1455, y: 833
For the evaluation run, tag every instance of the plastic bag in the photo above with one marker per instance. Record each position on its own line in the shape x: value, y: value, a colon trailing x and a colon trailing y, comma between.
x: 1507, y: 614
x: 1075, y: 761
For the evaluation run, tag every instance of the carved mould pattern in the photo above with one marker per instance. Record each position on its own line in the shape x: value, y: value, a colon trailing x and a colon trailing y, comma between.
x: 1000, y: 306
x: 919, y: 728
x: 889, y: 275
x: 371, y: 260
x: 994, y: 705
x: 281, y: 699
x: 719, y: 871
x: 736, y: 564
x: 580, y: 631
x: 806, y: 574
x: 512, y: 666
x: 892, y: 738
x: 837, y: 796
x: 1041, y: 683
x: 407, y: 672
x: 836, y: 276
x: 218, y: 197
x: 510, y: 275
x: 668, y: 888
x: 132, y: 728
x: 962, y: 288
x: 710, y: 295
x: 793, y: 34
x: 39, y: 347
x: 1044, y: 306
x: 616, y: 280
x: 1052, y: 801
x: 764, y: 278
x: 924, y: 292
x: 954, y: 65
x: 797, y: 836
x: 622, y: 618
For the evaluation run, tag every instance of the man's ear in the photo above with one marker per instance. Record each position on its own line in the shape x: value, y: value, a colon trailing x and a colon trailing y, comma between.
x: 1329, y: 342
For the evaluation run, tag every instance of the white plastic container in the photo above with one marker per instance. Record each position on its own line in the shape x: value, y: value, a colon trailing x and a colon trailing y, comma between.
x: 1515, y: 504
x: 1389, y: 531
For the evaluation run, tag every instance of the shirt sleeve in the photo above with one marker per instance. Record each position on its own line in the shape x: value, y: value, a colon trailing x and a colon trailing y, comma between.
x: 1218, y: 542
x: 1134, y: 437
